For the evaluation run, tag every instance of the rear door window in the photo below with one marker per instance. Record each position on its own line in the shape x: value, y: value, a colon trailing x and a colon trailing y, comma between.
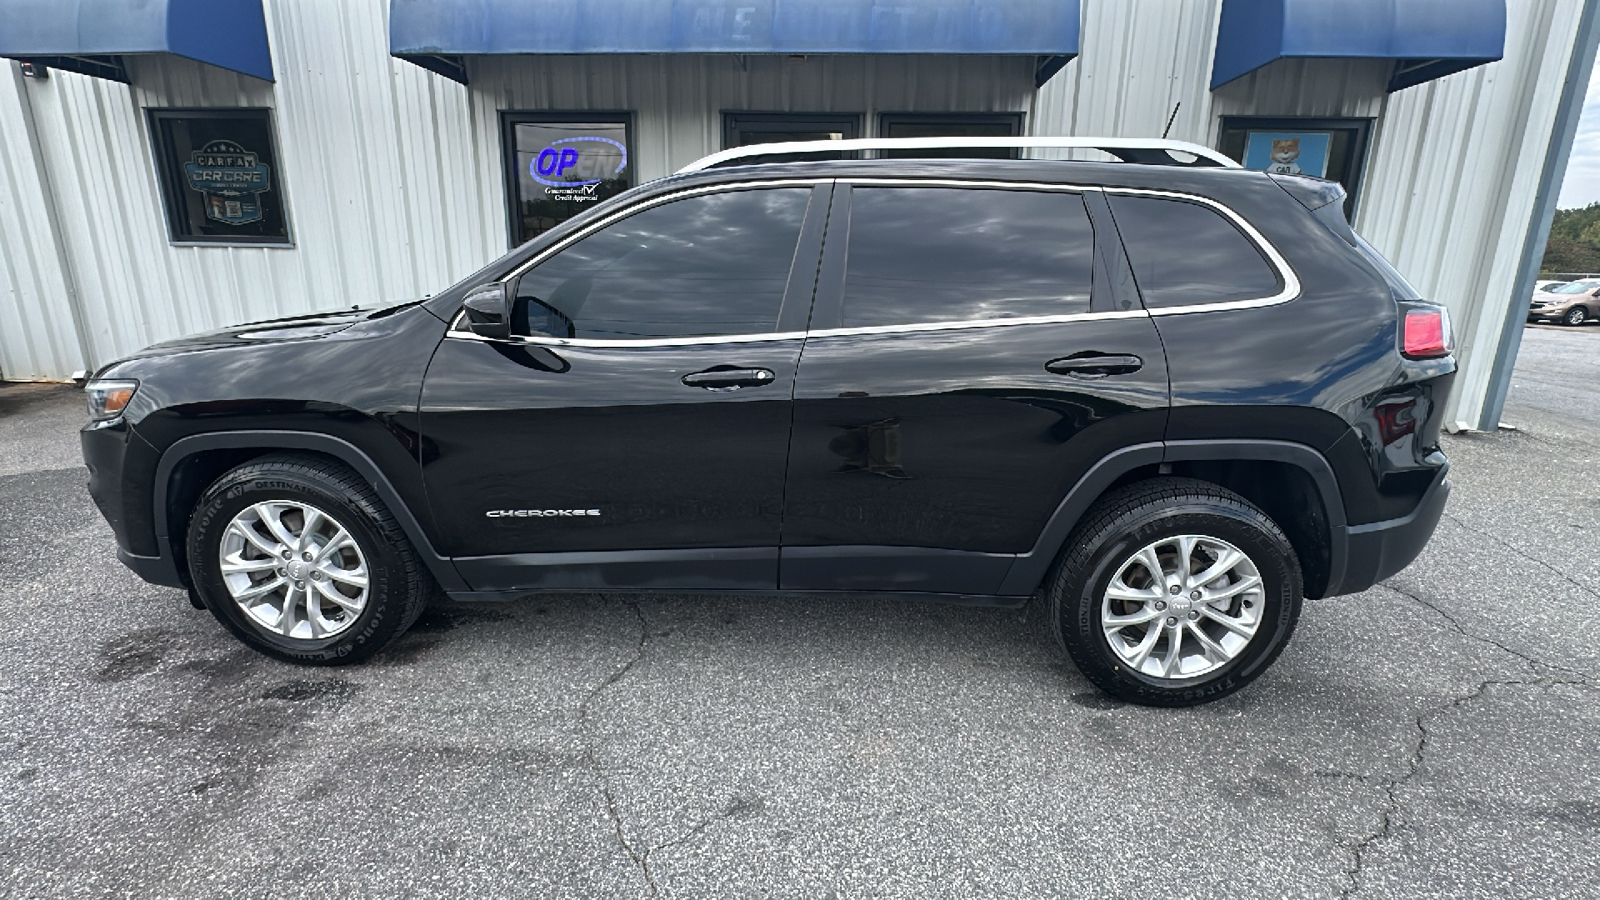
x: 1184, y: 254
x: 959, y: 254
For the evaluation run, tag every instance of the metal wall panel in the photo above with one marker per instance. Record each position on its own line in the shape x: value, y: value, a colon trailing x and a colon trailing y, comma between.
x: 37, y: 334
x: 373, y: 155
x: 395, y: 184
x: 1452, y: 180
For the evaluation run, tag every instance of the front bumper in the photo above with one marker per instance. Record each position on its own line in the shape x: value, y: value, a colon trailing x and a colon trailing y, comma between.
x: 154, y: 569
x: 121, y: 465
x: 1381, y: 549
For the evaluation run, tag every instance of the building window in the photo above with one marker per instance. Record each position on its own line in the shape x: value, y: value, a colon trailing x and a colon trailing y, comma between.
x: 560, y: 164
x: 219, y: 175
x: 1335, y: 149
x: 915, y: 125
x: 741, y: 129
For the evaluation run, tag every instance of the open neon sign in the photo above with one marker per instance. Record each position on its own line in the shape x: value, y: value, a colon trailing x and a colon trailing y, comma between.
x: 552, y: 162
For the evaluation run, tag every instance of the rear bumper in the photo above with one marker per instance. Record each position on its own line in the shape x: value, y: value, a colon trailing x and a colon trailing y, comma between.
x: 1381, y: 549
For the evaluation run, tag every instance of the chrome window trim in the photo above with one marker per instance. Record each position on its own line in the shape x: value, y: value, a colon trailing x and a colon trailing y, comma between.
x: 775, y: 336
x: 691, y: 341
x: 1291, y: 290
x: 1291, y: 282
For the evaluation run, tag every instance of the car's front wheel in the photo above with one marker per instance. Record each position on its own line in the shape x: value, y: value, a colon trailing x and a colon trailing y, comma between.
x: 1576, y: 316
x: 300, y: 559
x: 1175, y: 592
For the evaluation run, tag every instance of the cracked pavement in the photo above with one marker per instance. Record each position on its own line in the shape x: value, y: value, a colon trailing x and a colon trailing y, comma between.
x: 1437, y: 736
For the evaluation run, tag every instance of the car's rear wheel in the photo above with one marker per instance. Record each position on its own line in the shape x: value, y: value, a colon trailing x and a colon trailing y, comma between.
x: 300, y: 559
x: 1576, y: 316
x: 1175, y: 592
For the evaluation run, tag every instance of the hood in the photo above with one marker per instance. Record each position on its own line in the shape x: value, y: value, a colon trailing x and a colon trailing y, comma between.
x: 289, y: 328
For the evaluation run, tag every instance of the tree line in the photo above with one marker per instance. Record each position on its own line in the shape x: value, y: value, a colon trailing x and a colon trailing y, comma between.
x: 1574, y: 241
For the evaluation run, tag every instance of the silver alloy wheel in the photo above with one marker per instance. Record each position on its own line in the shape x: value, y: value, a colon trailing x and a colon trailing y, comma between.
x: 1183, y: 606
x: 294, y: 569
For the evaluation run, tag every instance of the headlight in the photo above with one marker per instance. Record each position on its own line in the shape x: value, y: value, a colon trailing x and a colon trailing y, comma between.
x: 107, y: 399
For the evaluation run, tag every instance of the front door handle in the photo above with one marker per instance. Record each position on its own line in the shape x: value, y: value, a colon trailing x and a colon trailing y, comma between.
x: 728, y: 379
x: 1095, y: 365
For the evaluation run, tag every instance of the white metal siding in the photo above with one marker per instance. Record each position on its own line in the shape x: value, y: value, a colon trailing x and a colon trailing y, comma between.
x: 395, y: 186
x: 37, y: 337
x: 678, y: 101
x: 371, y: 151
x: 1453, y: 176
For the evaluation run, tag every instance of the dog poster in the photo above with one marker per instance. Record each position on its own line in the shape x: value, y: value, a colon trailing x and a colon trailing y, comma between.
x: 1288, y: 153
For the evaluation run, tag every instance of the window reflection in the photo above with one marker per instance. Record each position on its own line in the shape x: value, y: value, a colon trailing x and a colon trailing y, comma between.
x: 700, y: 266
x: 953, y: 254
x: 1183, y: 253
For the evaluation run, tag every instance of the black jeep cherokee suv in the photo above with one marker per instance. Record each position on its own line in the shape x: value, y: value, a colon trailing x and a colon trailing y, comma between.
x: 1172, y: 400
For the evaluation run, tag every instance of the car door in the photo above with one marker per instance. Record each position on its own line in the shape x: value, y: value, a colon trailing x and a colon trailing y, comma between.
x: 972, y: 355
x: 633, y: 431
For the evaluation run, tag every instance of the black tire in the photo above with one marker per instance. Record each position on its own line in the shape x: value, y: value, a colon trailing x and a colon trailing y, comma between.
x: 398, y: 586
x: 1131, y: 518
x: 1575, y: 316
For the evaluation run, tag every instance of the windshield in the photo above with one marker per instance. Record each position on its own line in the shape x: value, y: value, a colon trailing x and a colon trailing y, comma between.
x: 1577, y: 287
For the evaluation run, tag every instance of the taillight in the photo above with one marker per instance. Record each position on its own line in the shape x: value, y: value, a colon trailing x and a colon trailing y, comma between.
x: 1426, y: 332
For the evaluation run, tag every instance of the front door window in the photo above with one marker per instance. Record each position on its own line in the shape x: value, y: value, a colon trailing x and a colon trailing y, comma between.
x: 707, y: 265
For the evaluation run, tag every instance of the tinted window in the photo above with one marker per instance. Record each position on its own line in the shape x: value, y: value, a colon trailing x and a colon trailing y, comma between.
x: 953, y: 254
x: 1184, y: 254
x: 704, y: 265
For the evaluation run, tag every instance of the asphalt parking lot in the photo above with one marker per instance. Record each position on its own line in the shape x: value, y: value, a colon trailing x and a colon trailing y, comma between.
x: 1438, y: 736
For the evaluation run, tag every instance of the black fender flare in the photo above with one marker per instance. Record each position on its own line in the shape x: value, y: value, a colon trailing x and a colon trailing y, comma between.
x: 1028, y: 571
x: 443, y: 570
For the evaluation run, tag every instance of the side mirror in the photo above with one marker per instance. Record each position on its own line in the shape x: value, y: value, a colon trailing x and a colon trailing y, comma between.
x: 488, y: 310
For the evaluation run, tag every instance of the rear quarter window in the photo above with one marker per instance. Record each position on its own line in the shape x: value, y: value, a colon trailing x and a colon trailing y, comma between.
x: 1187, y: 254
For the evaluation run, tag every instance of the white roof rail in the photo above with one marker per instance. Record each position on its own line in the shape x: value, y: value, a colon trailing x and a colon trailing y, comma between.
x: 1150, y: 151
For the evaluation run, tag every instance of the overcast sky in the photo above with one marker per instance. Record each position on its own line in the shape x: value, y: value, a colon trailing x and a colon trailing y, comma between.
x: 1582, y: 186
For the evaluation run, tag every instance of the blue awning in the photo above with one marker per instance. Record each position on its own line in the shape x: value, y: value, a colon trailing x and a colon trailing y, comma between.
x: 92, y: 36
x: 1427, y: 39
x: 437, y: 34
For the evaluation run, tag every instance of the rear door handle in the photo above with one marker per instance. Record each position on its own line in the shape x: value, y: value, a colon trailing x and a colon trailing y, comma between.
x: 728, y: 379
x: 1095, y: 365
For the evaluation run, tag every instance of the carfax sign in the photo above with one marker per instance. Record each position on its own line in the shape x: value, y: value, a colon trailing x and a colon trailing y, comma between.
x: 232, y: 180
